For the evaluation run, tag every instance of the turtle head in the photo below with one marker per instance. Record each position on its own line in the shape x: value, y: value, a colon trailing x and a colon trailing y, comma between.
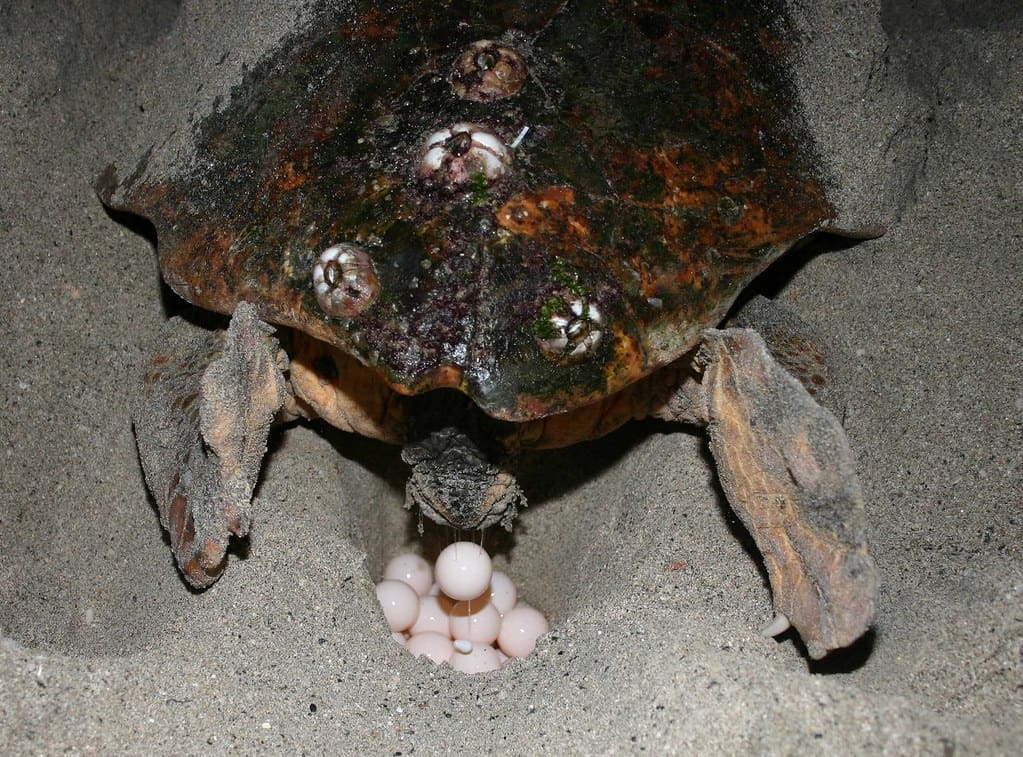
x: 454, y: 483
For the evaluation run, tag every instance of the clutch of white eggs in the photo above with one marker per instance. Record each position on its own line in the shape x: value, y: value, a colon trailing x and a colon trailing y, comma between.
x: 469, y: 618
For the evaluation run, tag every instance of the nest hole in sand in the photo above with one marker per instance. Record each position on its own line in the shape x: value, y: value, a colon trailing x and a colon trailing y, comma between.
x: 579, y: 535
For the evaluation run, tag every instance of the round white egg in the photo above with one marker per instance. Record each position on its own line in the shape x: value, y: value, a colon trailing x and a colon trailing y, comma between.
x: 434, y: 646
x: 503, y: 593
x: 413, y: 570
x: 480, y: 627
x: 463, y: 570
x: 520, y: 628
x: 481, y: 659
x: 431, y: 617
x: 399, y: 602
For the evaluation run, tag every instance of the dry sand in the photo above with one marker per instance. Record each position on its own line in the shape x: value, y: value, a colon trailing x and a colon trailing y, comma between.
x: 917, y: 106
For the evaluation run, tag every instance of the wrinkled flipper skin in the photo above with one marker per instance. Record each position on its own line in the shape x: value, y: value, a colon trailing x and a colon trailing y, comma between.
x: 201, y: 426
x: 797, y: 347
x: 785, y: 465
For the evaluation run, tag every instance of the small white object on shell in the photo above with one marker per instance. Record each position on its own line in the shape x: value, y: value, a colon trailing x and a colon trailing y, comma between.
x: 344, y: 280
x: 577, y: 334
x: 486, y: 155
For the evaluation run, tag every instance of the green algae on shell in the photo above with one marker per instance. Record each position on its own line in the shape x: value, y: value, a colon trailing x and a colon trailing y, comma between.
x: 658, y: 167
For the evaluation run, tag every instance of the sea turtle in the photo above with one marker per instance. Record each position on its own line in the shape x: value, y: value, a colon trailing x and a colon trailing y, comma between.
x: 482, y: 227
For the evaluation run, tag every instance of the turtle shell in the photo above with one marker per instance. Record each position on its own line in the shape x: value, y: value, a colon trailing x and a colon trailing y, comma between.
x: 536, y: 203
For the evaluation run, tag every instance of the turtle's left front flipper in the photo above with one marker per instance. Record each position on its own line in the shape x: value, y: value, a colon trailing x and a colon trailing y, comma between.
x: 201, y: 424
x: 785, y: 465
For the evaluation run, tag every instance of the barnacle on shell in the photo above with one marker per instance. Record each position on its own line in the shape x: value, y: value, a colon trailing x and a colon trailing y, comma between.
x: 487, y: 71
x: 570, y: 334
x: 453, y: 155
x: 345, y: 280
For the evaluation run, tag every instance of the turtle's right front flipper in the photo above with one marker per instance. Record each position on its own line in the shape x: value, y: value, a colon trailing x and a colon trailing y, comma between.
x: 201, y: 425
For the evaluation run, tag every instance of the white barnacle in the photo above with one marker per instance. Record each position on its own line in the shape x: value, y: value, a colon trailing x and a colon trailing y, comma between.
x: 575, y: 334
x: 345, y: 280
x: 453, y: 155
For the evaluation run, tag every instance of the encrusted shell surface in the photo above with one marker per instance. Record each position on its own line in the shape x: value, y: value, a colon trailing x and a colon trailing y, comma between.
x: 487, y: 71
x: 658, y: 166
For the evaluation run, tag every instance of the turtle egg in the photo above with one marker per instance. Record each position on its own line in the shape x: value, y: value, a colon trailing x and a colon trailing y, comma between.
x: 399, y: 602
x: 481, y: 627
x: 413, y: 570
x: 345, y: 280
x: 435, y: 646
x: 463, y: 570
x: 431, y: 617
x: 520, y: 629
x: 503, y: 593
x: 463, y: 607
x: 482, y: 659
x: 462, y: 613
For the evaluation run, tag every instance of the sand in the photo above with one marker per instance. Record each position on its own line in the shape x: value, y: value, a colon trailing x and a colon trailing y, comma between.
x: 916, y: 106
